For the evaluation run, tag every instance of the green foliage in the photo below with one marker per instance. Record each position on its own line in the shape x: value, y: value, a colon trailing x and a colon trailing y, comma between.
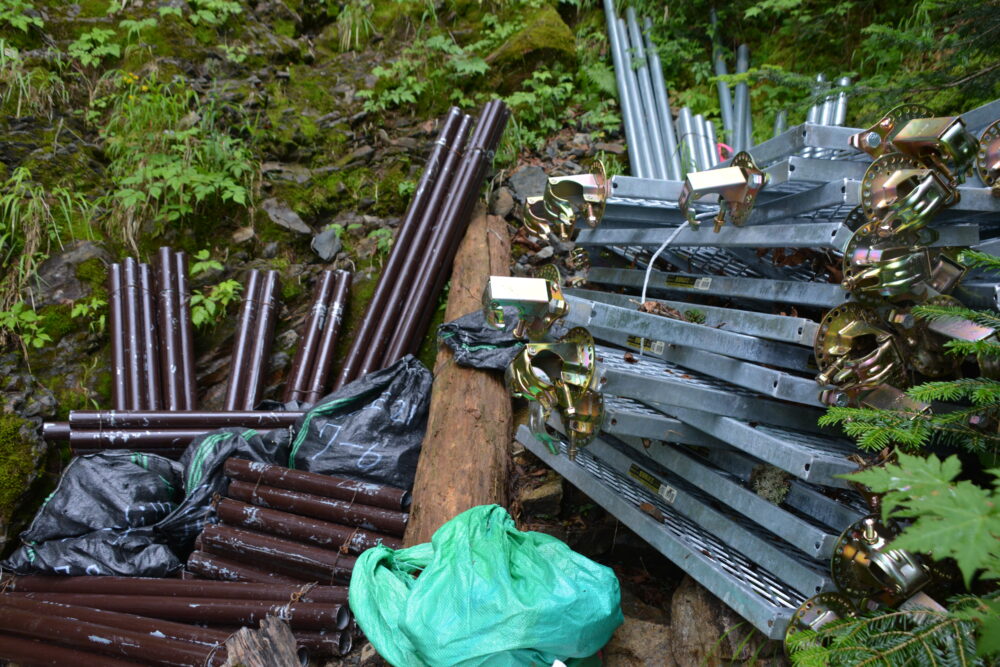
x: 93, y: 311
x: 171, y: 157
x: 209, y: 308
x: 383, y: 240
x: 235, y: 54
x: 35, y: 90
x: 354, y: 23
x: 212, y: 12
x: 14, y: 13
x: 93, y: 46
x: 22, y: 321
x: 203, y: 262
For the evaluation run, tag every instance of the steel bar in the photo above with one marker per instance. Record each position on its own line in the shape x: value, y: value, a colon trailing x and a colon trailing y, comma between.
x: 188, y: 382
x: 640, y: 68
x: 134, y: 345
x: 300, y: 528
x: 813, y: 458
x: 624, y: 417
x: 298, y: 376
x: 415, y: 255
x: 840, y: 107
x: 628, y: 111
x: 329, y: 486
x: 299, y: 615
x: 701, y: 142
x: 640, y: 142
x: 37, y: 619
x: 282, y: 556
x: 169, y: 318
x: 323, y: 363
x: 753, y: 592
x: 34, y: 653
x: 218, y: 590
x: 446, y: 144
x: 809, y: 136
x: 605, y: 320
x: 665, y: 117
x: 444, y: 245
x: 90, y: 420
x: 977, y: 119
x: 823, y: 295
x: 305, y: 504
x: 116, y: 316
x: 655, y: 382
x: 798, y: 330
x: 813, y: 540
x: 833, y: 236
x: 134, y: 438
x: 815, y: 112
x: 713, y: 144
x: 780, y: 122
x: 241, y: 345
x: 212, y: 566
x: 688, y: 141
x: 151, y: 339
x: 741, y: 106
x: 725, y: 98
x: 263, y: 335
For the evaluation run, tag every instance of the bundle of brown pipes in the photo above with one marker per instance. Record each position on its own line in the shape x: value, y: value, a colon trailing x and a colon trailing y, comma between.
x: 285, y: 546
x: 164, y: 422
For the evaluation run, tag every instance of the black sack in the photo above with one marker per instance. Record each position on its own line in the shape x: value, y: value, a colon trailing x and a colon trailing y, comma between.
x: 369, y: 430
x: 203, y: 463
x: 100, y: 519
x: 476, y: 344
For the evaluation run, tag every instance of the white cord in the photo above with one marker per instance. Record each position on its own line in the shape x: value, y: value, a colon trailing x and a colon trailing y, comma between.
x: 649, y: 271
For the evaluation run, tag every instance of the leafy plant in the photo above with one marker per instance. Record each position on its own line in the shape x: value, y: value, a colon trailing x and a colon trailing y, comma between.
x: 92, y: 310
x: 203, y: 262
x: 15, y: 14
x: 208, y: 308
x: 235, y: 54
x: 212, y: 12
x: 354, y: 23
x: 382, y: 238
x: 93, y: 46
x: 36, y: 90
x: 23, y: 322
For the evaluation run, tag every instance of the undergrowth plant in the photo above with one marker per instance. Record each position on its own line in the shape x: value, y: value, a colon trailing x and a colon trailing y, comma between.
x: 948, y: 516
x: 15, y: 13
x: 30, y: 90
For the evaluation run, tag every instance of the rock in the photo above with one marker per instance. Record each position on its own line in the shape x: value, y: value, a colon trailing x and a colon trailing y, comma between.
x: 360, y: 153
x: 542, y: 255
x: 270, y: 251
x: 545, y: 499
x: 561, y: 246
x: 501, y: 202
x: 639, y: 643
x: 616, y: 148
x: 286, y: 172
x: 545, y: 36
x: 56, y: 281
x: 243, y: 234
x: 326, y: 244
x: 285, y: 217
x: 528, y: 182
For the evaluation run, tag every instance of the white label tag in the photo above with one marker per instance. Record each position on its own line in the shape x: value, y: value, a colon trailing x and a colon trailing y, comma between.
x: 703, y: 283
x: 668, y: 493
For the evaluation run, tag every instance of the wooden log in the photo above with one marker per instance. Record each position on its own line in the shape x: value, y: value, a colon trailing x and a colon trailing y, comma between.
x: 273, y: 645
x: 464, y: 460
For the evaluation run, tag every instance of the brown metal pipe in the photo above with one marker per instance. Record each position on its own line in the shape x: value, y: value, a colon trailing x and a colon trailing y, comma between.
x: 303, y: 529
x: 284, y: 556
x: 37, y: 619
x: 337, y: 511
x: 132, y: 439
x: 260, y: 352
x: 242, y: 343
x: 189, y: 388
x: 36, y: 653
x: 91, y: 420
x: 407, y: 229
x: 301, y: 615
x: 134, y: 345
x: 220, y: 568
x: 150, y: 339
x: 325, y: 643
x: 330, y: 486
x: 298, y: 378
x: 219, y: 590
x: 441, y: 251
x: 169, y: 319
x: 323, y: 363
x: 55, y: 431
x: 116, y: 324
x: 415, y: 254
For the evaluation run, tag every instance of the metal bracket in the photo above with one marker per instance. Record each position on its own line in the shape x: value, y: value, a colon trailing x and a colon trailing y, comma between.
x: 877, y: 140
x: 818, y: 611
x: 855, y: 353
x: 539, y: 303
x: 892, y: 267
x: 988, y: 157
x: 864, y: 567
x: 565, y: 199
x: 736, y: 186
x: 942, y: 143
x: 900, y: 194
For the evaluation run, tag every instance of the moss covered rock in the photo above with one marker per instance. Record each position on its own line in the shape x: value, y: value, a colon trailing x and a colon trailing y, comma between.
x: 545, y: 37
x: 21, y: 450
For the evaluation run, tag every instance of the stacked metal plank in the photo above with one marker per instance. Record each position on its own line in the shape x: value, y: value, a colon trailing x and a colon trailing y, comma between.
x: 713, y: 384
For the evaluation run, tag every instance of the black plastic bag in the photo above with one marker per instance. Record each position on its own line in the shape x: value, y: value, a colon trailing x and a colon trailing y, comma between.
x: 101, y: 519
x: 370, y: 429
x: 476, y: 344
x: 203, y: 463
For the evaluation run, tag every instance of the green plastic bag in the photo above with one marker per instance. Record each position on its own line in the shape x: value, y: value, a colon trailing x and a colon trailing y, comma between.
x: 487, y: 594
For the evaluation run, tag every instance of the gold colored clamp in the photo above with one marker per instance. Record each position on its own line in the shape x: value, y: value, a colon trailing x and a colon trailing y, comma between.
x: 538, y: 302
x: 988, y: 157
x: 736, y: 186
x: 892, y: 267
x: 878, y: 139
x: 942, y: 143
x: 818, y: 611
x: 900, y: 194
x: 565, y: 199
x: 863, y: 566
x: 855, y: 353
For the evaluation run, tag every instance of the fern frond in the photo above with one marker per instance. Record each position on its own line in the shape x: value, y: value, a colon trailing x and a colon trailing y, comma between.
x: 978, y: 347
x: 975, y: 259
x: 954, y: 390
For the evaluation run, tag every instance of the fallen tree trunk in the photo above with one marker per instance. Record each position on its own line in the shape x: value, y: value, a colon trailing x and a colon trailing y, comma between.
x: 464, y: 458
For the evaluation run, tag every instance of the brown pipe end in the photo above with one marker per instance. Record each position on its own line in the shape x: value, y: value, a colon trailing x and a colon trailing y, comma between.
x: 56, y: 431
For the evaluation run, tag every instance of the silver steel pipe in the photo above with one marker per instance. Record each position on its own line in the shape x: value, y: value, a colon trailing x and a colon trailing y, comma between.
x: 713, y: 147
x: 741, y: 108
x: 648, y: 103
x: 725, y: 97
x: 780, y: 122
x: 840, y: 107
x: 641, y: 139
x: 815, y: 112
x: 665, y: 117
x: 701, y: 142
x: 686, y: 139
x: 622, y: 73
